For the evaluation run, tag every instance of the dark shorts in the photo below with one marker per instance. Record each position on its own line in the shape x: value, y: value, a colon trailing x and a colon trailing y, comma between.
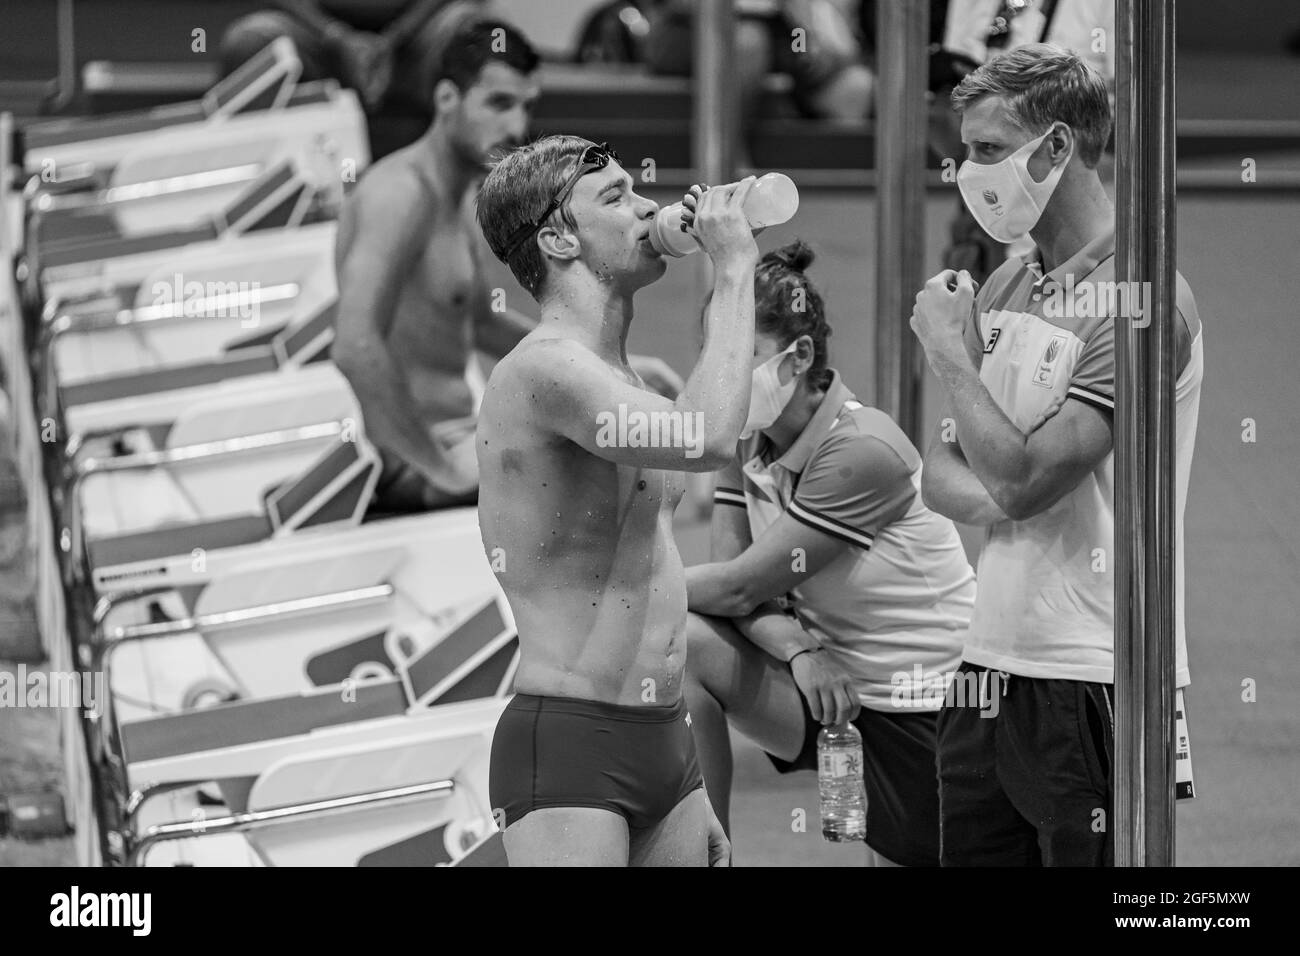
x: 562, y: 752
x: 898, y: 769
x: 401, y: 489
x: 1030, y: 784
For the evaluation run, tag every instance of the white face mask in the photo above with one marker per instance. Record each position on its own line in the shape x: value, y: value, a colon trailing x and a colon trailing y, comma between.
x: 1003, y: 197
x: 767, y: 396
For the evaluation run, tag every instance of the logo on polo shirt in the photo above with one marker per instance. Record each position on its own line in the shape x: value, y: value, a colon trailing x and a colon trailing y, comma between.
x: 1046, y: 373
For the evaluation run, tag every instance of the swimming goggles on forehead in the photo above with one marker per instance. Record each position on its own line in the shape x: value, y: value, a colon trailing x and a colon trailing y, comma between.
x: 594, y: 157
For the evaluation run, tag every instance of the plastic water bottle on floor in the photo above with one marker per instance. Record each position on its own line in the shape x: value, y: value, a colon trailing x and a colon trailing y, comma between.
x: 772, y: 200
x: 839, y: 779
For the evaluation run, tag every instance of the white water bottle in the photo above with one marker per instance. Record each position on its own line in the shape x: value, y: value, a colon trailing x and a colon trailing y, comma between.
x: 772, y: 200
x: 839, y: 782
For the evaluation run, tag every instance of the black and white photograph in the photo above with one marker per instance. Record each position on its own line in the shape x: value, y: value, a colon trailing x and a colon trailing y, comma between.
x: 650, y: 433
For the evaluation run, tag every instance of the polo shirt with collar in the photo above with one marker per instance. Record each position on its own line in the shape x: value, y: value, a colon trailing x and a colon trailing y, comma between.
x: 893, y: 608
x: 1045, y: 606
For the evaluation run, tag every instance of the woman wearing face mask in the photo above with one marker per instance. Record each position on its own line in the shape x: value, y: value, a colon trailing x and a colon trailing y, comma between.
x: 833, y: 593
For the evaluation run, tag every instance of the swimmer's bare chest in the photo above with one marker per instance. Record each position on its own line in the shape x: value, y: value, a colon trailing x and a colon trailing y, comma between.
x: 432, y: 334
x: 553, y: 499
x: 584, y: 551
x: 583, y: 547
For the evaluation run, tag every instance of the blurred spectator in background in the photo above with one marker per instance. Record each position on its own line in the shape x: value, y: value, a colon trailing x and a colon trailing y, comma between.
x: 386, y: 50
x: 615, y: 32
x: 824, y: 59
x: 980, y: 29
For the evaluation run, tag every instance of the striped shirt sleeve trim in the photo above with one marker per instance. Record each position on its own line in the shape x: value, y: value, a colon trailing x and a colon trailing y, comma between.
x: 728, y: 496
x: 830, y: 526
x: 1093, y: 398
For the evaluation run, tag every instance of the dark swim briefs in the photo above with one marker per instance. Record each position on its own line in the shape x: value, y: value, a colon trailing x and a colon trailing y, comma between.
x: 564, y: 752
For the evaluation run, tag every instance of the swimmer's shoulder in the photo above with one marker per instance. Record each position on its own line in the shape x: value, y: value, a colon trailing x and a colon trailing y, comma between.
x: 547, y: 372
x: 521, y: 390
x: 394, y: 190
x: 543, y: 358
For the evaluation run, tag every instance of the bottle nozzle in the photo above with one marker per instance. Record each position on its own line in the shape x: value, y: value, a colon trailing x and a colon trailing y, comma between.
x: 666, y: 235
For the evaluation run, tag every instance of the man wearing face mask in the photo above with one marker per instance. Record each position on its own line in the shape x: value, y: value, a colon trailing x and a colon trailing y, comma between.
x: 1029, y: 371
x: 820, y: 515
x: 972, y: 32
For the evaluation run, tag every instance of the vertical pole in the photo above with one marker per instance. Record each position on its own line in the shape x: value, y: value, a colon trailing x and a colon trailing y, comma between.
x: 66, y: 84
x: 904, y: 29
x: 715, y: 125
x: 713, y: 138
x: 1144, y: 436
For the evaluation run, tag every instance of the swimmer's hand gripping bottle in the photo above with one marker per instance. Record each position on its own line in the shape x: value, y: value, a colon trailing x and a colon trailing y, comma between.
x: 839, y: 781
x: 772, y: 200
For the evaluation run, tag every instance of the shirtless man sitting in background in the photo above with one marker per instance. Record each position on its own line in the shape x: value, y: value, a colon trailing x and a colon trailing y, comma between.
x: 593, y: 760
x: 413, y: 304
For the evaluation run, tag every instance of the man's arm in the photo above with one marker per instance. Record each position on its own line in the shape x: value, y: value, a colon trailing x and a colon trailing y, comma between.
x: 577, y: 395
x: 949, y: 487
x: 582, y: 398
x: 1024, y: 474
x: 384, y: 238
x: 496, y: 333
